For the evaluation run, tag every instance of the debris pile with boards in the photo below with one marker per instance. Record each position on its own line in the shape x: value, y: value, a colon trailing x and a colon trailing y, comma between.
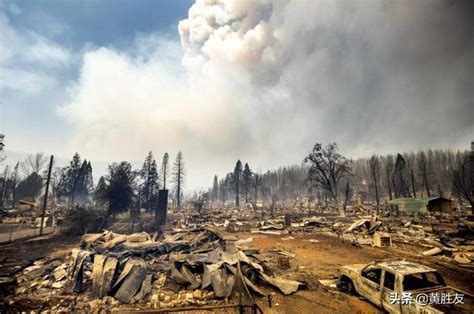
x: 194, y: 268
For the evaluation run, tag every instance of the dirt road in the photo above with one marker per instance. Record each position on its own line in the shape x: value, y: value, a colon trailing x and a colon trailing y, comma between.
x: 16, y: 255
x: 322, y: 259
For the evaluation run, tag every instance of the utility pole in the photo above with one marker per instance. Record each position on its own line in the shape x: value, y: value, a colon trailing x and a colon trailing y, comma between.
x: 45, y: 202
x: 2, y: 158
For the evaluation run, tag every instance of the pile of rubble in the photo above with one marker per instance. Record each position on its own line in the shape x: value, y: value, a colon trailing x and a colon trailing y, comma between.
x: 455, y: 247
x: 452, y: 247
x: 196, y: 268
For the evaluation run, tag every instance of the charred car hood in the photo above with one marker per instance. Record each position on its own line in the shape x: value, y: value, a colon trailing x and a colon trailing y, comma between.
x: 353, y: 268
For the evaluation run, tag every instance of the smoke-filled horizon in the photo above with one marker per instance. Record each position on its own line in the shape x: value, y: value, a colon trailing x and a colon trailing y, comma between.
x: 262, y: 81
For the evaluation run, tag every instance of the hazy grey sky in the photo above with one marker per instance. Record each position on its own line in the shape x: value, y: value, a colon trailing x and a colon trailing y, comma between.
x: 257, y: 80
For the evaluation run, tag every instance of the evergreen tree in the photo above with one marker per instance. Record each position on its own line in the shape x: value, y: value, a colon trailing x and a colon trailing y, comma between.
x: 100, y: 192
x: 120, y: 188
x: 400, y: 178
x: 69, y: 182
x: 150, y: 186
x: 178, y: 177
x: 74, y: 171
x: 223, y: 189
x: 247, y: 182
x: 164, y: 169
x: 237, y: 181
x: 85, y: 184
x: 215, y: 189
x: 74, y: 181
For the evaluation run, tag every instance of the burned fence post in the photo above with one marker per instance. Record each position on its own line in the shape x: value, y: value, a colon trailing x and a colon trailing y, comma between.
x: 162, y: 208
x: 45, y: 202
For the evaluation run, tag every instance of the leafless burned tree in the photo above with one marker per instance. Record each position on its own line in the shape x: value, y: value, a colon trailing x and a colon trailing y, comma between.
x: 375, y: 169
x: 327, y: 167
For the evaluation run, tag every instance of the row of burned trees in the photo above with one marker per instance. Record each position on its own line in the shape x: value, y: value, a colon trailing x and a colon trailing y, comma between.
x: 421, y: 174
x: 123, y: 187
x: 428, y: 173
x: 24, y: 181
x: 325, y: 174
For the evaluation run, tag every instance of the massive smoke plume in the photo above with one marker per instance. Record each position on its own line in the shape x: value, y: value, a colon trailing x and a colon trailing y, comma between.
x: 264, y: 80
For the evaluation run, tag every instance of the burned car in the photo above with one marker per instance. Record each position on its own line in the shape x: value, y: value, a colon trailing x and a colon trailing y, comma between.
x: 404, y: 287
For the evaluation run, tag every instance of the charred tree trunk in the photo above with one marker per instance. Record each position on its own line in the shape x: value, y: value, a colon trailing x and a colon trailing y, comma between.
x: 178, y: 192
x: 389, y: 185
x: 377, y: 199
x: 347, y: 196
x: 427, y: 186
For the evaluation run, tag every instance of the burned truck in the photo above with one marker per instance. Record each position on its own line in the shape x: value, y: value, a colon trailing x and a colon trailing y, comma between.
x: 404, y: 287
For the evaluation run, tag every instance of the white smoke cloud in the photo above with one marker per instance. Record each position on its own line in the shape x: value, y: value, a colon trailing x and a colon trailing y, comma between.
x: 227, y: 34
x: 264, y: 80
x: 125, y: 104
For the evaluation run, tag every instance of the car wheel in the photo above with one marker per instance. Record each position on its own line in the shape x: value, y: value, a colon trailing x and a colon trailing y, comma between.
x: 347, y: 286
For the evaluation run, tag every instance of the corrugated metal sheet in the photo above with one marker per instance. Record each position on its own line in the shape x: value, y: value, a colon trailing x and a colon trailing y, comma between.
x: 76, y: 271
x: 131, y: 284
x: 132, y: 280
x: 97, y: 270
x: 108, y: 275
x: 416, y: 205
x: 411, y: 205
